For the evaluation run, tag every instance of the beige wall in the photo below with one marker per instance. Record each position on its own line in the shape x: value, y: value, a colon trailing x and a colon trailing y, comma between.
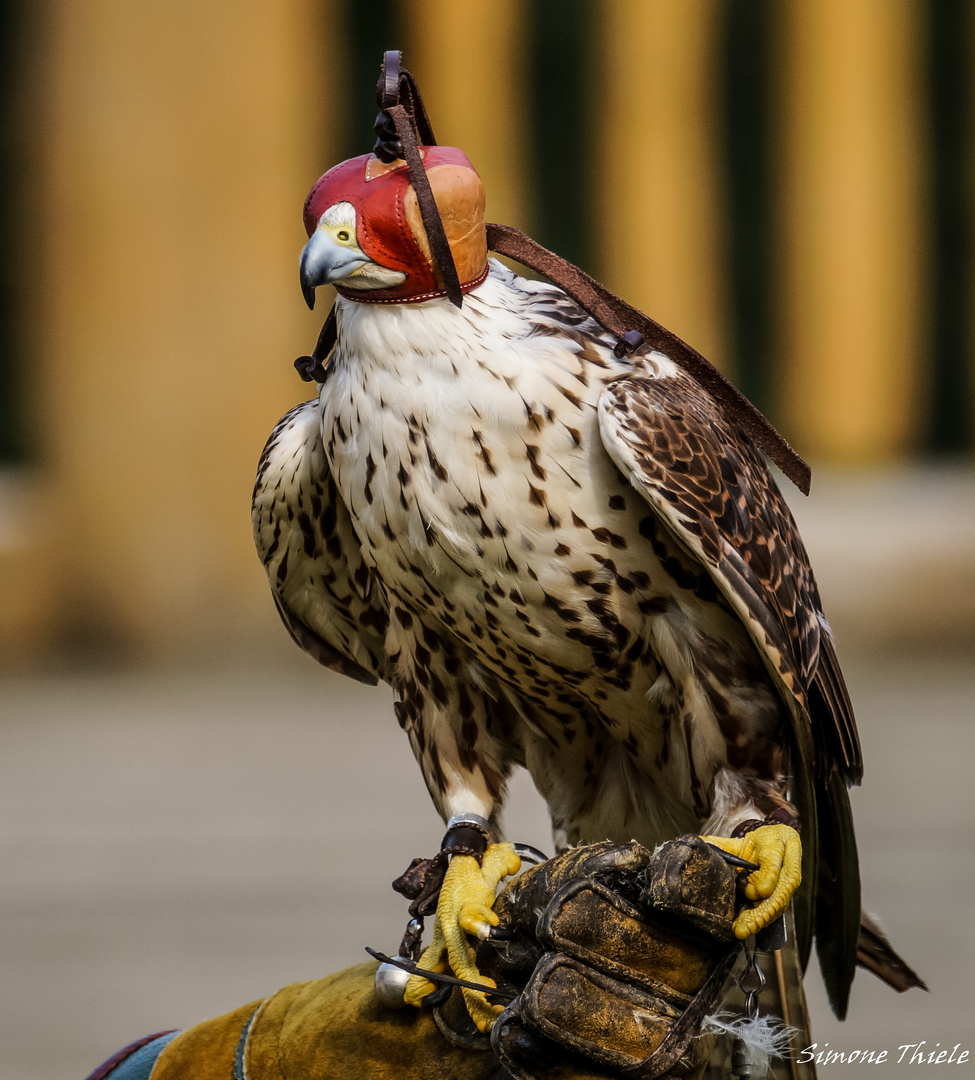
x: 854, y: 253
x: 661, y: 243
x: 180, y: 141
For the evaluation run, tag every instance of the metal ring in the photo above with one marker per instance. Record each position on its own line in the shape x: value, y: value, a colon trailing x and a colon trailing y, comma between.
x: 469, y: 819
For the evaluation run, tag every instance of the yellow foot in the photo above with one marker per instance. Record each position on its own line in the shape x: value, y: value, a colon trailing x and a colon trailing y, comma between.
x: 778, y: 852
x: 465, y: 907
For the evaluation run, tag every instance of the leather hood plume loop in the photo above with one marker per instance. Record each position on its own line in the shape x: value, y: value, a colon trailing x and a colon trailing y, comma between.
x: 401, y: 126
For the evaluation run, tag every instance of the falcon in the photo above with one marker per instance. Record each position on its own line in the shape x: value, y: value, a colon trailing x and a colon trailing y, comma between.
x: 562, y: 555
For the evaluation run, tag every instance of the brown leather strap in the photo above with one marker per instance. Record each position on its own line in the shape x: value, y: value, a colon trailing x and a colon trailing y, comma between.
x: 620, y: 318
x: 397, y: 86
x: 387, y: 93
x: 312, y: 368
x: 400, y: 102
x: 439, y: 246
x: 685, y: 1028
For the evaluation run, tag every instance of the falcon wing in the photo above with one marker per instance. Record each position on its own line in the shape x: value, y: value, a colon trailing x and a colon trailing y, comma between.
x: 706, y: 482
x: 327, y: 597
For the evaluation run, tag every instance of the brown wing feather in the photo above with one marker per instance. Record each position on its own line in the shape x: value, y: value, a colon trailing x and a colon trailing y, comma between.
x: 711, y: 487
x: 326, y: 595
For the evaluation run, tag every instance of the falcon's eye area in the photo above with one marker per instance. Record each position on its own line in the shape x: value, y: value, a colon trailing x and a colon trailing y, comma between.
x: 338, y: 223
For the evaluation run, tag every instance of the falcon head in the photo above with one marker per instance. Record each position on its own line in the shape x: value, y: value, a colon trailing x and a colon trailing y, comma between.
x: 366, y: 235
x: 333, y: 254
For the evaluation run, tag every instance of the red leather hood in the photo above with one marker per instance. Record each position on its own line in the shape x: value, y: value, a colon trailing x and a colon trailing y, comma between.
x: 388, y: 226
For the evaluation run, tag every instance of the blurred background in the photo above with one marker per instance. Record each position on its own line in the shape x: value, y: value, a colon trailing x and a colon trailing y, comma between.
x: 191, y: 813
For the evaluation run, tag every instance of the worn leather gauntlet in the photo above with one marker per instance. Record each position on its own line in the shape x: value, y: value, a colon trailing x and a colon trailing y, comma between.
x: 618, y: 955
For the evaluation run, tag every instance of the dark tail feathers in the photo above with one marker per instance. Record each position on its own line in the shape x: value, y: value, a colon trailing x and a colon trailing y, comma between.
x: 876, y: 954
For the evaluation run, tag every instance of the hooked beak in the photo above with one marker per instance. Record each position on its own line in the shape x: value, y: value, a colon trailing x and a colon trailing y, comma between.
x: 323, y: 261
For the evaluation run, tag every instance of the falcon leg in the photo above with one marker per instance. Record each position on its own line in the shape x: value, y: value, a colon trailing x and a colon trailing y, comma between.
x: 778, y: 852
x: 464, y: 911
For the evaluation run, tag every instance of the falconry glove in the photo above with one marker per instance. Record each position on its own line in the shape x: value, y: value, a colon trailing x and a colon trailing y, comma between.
x: 620, y: 955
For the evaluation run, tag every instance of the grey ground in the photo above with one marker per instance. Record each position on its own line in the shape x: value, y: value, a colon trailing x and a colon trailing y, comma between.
x: 176, y: 843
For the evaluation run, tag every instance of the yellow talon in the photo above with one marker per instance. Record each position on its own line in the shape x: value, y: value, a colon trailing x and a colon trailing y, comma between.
x: 465, y: 907
x: 778, y: 852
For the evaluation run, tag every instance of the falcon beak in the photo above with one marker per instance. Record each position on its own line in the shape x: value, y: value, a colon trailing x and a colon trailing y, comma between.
x: 324, y: 261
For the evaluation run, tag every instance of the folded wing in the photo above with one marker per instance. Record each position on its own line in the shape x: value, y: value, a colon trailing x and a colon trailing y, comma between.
x: 710, y: 487
x: 327, y: 596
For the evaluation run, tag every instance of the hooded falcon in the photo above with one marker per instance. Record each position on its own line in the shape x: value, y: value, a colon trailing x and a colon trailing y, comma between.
x: 561, y: 555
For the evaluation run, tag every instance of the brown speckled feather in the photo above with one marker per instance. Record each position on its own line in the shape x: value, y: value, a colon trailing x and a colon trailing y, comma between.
x: 326, y: 595
x: 713, y: 490
x: 711, y: 487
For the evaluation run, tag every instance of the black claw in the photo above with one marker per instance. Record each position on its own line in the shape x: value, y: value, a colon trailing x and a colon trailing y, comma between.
x: 734, y: 860
x: 439, y: 996
x: 530, y: 854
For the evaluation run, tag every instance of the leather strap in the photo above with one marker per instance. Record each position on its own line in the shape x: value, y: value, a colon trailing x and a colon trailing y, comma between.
x: 387, y: 92
x: 312, y: 368
x: 397, y: 86
x: 432, y: 222
x: 399, y: 101
x: 621, y: 318
x: 677, y: 1040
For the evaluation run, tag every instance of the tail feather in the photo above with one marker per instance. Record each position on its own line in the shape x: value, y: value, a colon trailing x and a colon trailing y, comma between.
x: 837, y: 894
x: 876, y: 954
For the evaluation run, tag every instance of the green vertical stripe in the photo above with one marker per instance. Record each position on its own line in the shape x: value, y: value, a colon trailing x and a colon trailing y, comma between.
x: 560, y: 122
x: 16, y: 159
x: 372, y: 27
x: 745, y: 52
x: 948, y: 346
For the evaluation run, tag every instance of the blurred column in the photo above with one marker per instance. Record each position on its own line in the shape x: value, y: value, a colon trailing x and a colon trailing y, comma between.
x: 854, y: 255
x: 181, y: 141
x: 469, y: 59
x: 661, y: 236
